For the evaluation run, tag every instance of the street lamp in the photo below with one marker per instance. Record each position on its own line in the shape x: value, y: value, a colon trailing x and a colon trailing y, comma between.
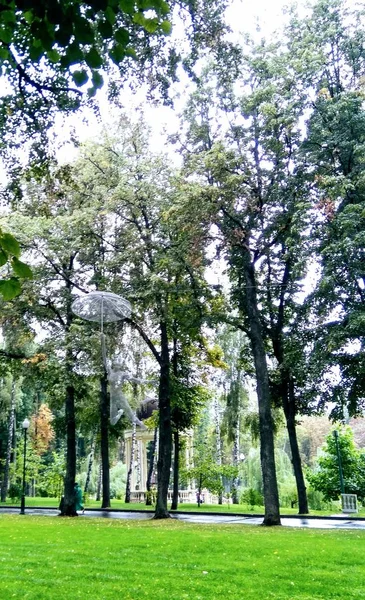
x: 342, y: 484
x: 25, y: 426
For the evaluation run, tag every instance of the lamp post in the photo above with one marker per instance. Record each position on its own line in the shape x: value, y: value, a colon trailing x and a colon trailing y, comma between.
x: 25, y: 426
x: 342, y: 485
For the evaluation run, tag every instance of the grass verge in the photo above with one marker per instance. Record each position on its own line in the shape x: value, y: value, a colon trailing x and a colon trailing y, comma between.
x: 46, y: 558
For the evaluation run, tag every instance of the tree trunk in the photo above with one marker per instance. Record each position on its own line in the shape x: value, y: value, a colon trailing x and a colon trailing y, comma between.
x: 9, y: 447
x: 236, y: 461
x: 68, y: 505
x: 15, y: 441
x: 131, y: 463
x: 69, y: 500
x: 104, y: 439
x: 290, y: 413
x: 267, y: 454
x: 175, y: 493
x: 90, y: 463
x: 218, y: 443
x: 100, y: 479
x: 165, y: 429
x: 151, y: 468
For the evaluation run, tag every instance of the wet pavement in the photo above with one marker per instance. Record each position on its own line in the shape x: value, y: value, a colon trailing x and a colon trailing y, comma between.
x: 335, y: 522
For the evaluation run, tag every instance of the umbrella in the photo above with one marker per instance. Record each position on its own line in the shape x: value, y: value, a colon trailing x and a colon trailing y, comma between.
x: 102, y: 307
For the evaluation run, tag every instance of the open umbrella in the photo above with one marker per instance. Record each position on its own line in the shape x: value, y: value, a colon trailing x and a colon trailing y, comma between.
x: 102, y: 307
x: 105, y: 307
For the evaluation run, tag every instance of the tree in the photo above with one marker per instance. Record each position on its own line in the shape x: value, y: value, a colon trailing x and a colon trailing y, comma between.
x: 187, y: 400
x: 149, y: 257
x: 326, y: 478
x: 48, y: 297
x: 41, y: 430
x: 333, y: 151
x: 10, y: 445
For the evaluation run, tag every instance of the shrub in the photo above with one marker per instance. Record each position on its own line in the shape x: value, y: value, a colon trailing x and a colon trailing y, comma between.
x: 252, y: 497
x: 15, y: 491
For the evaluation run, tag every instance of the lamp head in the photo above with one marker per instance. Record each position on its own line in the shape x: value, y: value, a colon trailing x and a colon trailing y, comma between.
x: 25, y: 424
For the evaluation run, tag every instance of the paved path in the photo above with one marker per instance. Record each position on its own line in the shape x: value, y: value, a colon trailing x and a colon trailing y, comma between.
x: 336, y: 522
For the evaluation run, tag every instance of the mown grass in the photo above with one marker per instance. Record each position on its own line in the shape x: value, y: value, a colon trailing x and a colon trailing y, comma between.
x: 224, y: 508
x: 46, y: 558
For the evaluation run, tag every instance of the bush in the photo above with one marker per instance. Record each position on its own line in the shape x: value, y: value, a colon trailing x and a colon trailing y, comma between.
x: 252, y: 497
x: 316, y: 501
x: 15, y: 491
x: 118, y: 476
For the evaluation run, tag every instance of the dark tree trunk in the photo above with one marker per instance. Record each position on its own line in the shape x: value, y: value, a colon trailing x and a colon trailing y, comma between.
x: 288, y: 393
x: 150, y: 469
x: 68, y: 505
x: 236, y: 460
x: 267, y: 454
x: 175, y: 493
x: 9, y: 447
x: 104, y: 439
x: 200, y: 489
x: 130, y: 468
x: 100, y: 478
x: 165, y: 429
x: 290, y: 414
x: 69, y: 500
x: 90, y: 463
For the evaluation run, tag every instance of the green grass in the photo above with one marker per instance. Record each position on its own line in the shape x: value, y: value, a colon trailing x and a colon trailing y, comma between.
x: 225, y: 508
x: 46, y: 558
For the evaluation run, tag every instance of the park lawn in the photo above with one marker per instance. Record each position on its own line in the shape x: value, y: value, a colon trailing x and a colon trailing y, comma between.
x: 216, y: 508
x: 46, y: 558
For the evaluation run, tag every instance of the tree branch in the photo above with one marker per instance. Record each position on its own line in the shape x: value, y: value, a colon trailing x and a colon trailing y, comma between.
x: 145, y: 338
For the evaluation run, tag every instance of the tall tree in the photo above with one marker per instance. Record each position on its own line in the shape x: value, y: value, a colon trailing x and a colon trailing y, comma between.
x: 333, y: 152
x: 152, y: 260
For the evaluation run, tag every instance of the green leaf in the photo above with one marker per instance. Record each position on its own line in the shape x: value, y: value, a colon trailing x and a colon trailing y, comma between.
x: 117, y: 53
x: 139, y: 19
x: 21, y: 269
x: 80, y: 77
x: 110, y: 15
x: 8, y: 16
x: 35, y: 53
x: 132, y: 53
x: 53, y: 56
x: 122, y: 36
x: 163, y: 7
x: 9, y: 288
x: 97, y: 80
x: 10, y: 244
x: 93, y: 59
x: 166, y: 27
x: 3, y: 258
x: 105, y: 29
x: 6, y: 35
x: 83, y: 32
x: 91, y: 92
x: 28, y: 17
x: 128, y: 6
x: 4, y: 53
x: 74, y: 54
x: 150, y: 25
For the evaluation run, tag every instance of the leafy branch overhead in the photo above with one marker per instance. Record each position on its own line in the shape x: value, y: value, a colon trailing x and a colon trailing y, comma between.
x: 9, y: 254
x: 66, y: 34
